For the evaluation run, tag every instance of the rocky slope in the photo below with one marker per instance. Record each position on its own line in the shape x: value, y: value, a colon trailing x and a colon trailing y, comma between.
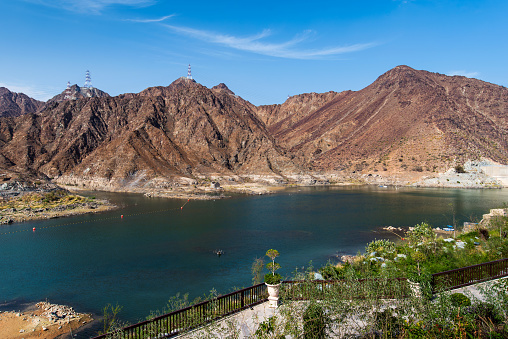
x: 161, y: 136
x: 406, y: 125
x: 14, y: 104
x: 407, y: 121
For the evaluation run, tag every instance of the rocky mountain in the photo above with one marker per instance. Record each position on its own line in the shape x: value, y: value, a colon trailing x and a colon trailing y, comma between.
x: 77, y: 92
x: 155, y: 138
x: 406, y: 124
x: 406, y: 121
x: 294, y: 108
x: 13, y: 104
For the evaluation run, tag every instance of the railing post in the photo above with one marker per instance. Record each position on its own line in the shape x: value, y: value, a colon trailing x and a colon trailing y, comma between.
x: 242, y: 299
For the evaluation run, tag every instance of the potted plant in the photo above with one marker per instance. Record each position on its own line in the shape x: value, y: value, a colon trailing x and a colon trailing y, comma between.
x: 272, y: 279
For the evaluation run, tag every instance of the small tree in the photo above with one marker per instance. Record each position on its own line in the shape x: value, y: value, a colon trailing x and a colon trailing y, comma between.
x: 256, y: 269
x: 273, y: 278
x: 421, y: 233
x: 418, y: 257
x: 315, y: 322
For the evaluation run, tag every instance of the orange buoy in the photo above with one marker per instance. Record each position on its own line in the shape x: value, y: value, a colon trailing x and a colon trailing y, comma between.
x: 121, y: 216
x: 181, y: 208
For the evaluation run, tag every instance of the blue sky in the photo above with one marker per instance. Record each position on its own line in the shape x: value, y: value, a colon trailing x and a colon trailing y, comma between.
x: 262, y: 50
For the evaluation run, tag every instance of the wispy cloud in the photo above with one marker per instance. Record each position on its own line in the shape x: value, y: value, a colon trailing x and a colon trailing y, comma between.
x: 464, y: 73
x: 91, y: 6
x: 288, y: 49
x: 152, y: 20
x: 39, y: 94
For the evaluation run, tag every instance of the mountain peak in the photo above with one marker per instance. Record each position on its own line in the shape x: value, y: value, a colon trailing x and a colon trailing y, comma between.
x: 14, y: 104
x: 79, y: 93
x: 222, y: 88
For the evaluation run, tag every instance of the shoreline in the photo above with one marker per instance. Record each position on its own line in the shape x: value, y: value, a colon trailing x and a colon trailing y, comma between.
x: 13, y: 215
x: 214, y: 192
x: 43, y: 320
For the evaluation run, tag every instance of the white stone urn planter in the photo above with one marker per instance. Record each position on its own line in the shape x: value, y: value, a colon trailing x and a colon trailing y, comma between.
x: 273, y: 295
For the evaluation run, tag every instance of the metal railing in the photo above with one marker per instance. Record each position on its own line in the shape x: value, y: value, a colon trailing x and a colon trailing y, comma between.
x: 470, y: 275
x: 172, y: 324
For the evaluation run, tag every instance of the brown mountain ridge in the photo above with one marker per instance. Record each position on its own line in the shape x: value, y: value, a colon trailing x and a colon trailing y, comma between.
x: 406, y: 124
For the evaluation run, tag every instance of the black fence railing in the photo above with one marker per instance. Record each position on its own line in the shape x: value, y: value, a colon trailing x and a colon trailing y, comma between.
x: 470, y: 275
x: 174, y: 323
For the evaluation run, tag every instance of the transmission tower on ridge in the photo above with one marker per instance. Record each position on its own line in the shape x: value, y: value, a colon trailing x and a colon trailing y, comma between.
x: 189, y: 74
x: 68, y: 91
x: 88, y: 80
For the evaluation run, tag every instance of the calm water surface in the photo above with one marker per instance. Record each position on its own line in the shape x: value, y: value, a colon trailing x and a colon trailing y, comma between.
x: 158, y: 250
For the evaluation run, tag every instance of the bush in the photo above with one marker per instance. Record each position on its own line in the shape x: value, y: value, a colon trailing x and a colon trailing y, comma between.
x: 460, y: 169
x: 266, y: 329
x: 486, y: 312
x: 380, y: 246
x: 460, y: 300
x: 388, y: 324
x: 314, y: 322
x: 273, y: 279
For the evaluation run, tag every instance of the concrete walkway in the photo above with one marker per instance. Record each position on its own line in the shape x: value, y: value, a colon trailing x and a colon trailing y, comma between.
x: 248, y: 320
x: 475, y: 290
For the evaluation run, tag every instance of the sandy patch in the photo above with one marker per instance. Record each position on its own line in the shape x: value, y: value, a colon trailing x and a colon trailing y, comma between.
x: 43, y: 320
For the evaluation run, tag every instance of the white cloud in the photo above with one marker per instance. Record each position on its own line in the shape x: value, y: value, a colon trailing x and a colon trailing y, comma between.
x: 152, y: 20
x: 93, y: 6
x: 464, y: 73
x: 36, y: 93
x: 288, y: 49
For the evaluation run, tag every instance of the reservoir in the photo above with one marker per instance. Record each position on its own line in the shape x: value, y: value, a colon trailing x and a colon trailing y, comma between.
x: 159, y: 249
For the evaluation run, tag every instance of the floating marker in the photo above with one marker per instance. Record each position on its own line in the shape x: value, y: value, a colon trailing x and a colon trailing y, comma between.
x: 188, y: 200
x: 33, y: 229
x: 181, y: 208
x: 121, y: 216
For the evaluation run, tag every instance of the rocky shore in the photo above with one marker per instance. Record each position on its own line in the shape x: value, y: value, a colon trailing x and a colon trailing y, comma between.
x: 42, y: 320
x: 35, y: 205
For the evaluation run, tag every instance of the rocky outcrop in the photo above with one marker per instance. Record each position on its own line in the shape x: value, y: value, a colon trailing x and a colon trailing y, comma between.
x: 14, y: 104
x: 77, y: 92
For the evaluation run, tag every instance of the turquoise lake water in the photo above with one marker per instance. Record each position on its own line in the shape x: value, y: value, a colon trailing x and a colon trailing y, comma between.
x: 158, y: 249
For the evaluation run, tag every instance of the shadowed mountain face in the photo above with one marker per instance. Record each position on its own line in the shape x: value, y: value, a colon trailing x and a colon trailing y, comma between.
x: 407, y: 121
x: 183, y: 130
x: 15, y: 104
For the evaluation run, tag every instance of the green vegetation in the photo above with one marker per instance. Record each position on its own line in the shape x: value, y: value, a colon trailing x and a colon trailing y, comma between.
x: 422, y: 253
x: 460, y: 169
x: 43, y: 200
x: 256, y: 269
x: 272, y: 278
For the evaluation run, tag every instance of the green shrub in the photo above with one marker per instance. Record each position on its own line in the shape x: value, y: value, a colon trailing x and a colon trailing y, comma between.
x: 266, y: 329
x: 460, y: 169
x: 381, y: 246
x: 273, y: 279
x: 387, y: 323
x: 460, y: 300
x: 314, y: 322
